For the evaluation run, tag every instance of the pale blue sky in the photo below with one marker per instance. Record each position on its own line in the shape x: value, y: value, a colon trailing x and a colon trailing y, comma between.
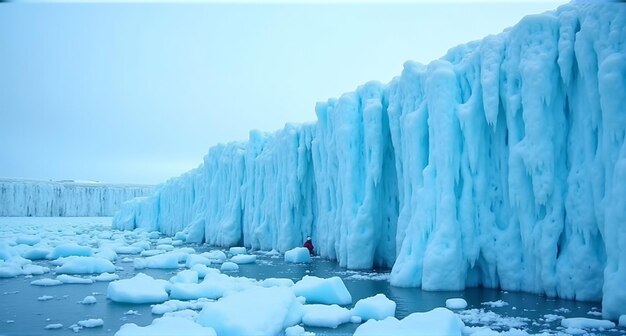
x: 138, y: 93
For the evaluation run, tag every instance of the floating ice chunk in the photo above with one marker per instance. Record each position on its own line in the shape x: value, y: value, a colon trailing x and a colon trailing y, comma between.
x: 215, y: 255
x: 495, y: 304
x: 622, y: 321
x: 195, y: 259
x: 132, y: 312
x: 297, y: 331
x: 163, y: 261
x: 377, y: 307
x: 34, y: 270
x: 240, y: 259
x: 67, y: 250
x: 129, y: 249
x: 586, y: 323
x: 237, y: 250
x: 150, y: 253
x: 141, y: 288
x: 439, y: 321
x: 10, y: 271
x: 298, y: 255
x: 166, y: 326
x: 104, y: 277
x: 180, y: 236
x: 325, y: 291
x: 186, y: 250
x: 482, y: 317
x: 164, y: 241
x: 214, y: 286
x: 68, y: 279
x: 90, y: 299
x: 36, y: 253
x: 203, y: 270
x: 267, y: 311
x: 229, y: 267
x: 46, y: 282
x: 326, y: 316
x: 142, y: 244
x: 91, y: 323
x: 186, y: 276
x: 456, y: 303
x: 107, y: 253
x: 594, y: 313
x: 5, y: 251
x: 28, y: 240
x: 85, y: 265
x: 54, y: 326
x: 45, y: 297
x: 176, y: 305
x: 552, y: 317
x: 276, y: 282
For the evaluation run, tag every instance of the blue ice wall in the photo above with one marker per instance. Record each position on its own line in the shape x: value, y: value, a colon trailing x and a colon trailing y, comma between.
x: 502, y: 164
x: 24, y: 198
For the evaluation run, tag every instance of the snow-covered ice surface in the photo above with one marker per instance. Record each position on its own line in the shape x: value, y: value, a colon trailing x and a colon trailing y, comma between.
x: 65, y: 198
x: 266, y: 290
x: 502, y: 164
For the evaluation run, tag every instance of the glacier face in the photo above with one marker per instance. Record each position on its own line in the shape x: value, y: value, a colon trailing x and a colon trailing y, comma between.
x: 66, y: 199
x: 503, y: 164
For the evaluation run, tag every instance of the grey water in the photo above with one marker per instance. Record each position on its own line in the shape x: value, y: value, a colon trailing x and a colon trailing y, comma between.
x: 22, y: 314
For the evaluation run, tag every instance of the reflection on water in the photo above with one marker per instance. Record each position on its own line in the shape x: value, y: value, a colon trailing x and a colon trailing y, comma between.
x: 21, y: 313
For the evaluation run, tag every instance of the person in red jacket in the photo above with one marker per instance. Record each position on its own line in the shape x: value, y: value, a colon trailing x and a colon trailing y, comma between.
x: 309, y: 245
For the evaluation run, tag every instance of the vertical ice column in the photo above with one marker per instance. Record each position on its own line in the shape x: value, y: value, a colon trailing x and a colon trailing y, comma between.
x: 408, y: 123
x: 356, y: 207
x: 278, y: 190
x: 225, y: 169
x: 444, y: 265
x: 612, y: 86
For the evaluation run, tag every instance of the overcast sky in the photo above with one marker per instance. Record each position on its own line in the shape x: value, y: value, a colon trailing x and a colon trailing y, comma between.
x: 137, y: 93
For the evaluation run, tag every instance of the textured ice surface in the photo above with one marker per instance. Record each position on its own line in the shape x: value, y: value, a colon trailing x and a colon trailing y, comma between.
x: 229, y: 267
x: 69, y: 279
x: 456, y: 303
x: 243, y: 259
x: 141, y: 288
x: 439, y: 321
x: 166, y: 326
x: 255, y: 311
x: 586, y: 323
x: 327, y: 316
x: 85, y: 265
x: 502, y: 164
x: 319, y: 290
x: 377, y: 307
x: 67, y: 199
x: 298, y: 255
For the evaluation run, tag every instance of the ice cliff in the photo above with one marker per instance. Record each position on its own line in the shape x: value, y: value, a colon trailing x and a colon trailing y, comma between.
x: 502, y: 164
x: 66, y: 199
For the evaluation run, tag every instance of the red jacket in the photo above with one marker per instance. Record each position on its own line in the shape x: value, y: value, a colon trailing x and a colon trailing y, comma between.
x: 308, y: 244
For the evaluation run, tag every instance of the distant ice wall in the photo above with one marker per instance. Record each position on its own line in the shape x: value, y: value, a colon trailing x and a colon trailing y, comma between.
x: 503, y: 164
x: 66, y: 199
